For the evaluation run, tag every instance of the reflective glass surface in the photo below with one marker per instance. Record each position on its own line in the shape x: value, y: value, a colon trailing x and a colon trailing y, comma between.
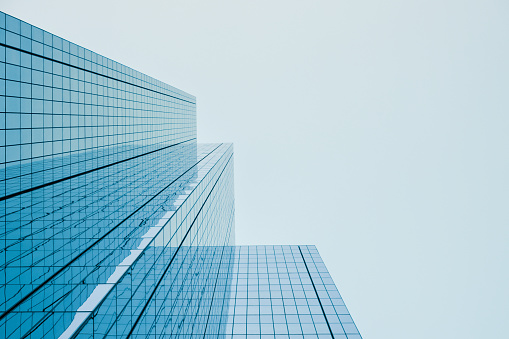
x: 284, y: 292
x: 103, y: 242
x: 115, y: 223
x: 67, y: 109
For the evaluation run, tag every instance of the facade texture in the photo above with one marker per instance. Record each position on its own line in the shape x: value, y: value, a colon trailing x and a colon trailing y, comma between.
x: 285, y: 292
x: 115, y: 223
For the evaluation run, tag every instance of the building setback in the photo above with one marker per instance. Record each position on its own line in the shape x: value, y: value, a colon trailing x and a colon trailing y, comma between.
x: 115, y: 223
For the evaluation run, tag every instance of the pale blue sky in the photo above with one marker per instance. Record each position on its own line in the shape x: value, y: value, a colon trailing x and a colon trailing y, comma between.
x: 376, y: 130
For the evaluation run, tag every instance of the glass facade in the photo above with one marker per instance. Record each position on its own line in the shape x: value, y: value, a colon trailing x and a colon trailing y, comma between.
x: 285, y: 292
x: 115, y: 223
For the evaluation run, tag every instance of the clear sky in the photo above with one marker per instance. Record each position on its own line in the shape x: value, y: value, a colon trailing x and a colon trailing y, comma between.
x: 376, y: 130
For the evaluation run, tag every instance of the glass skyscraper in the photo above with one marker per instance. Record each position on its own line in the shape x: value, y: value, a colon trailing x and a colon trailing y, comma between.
x: 117, y: 224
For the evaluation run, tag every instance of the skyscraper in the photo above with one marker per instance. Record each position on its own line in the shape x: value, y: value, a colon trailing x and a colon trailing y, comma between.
x: 116, y: 223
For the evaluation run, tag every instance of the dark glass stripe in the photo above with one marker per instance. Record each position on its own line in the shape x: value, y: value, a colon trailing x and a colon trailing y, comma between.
x: 316, y: 292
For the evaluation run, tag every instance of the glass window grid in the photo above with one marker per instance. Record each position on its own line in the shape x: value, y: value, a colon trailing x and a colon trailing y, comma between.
x: 99, y: 109
x: 69, y: 111
x: 196, y: 183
